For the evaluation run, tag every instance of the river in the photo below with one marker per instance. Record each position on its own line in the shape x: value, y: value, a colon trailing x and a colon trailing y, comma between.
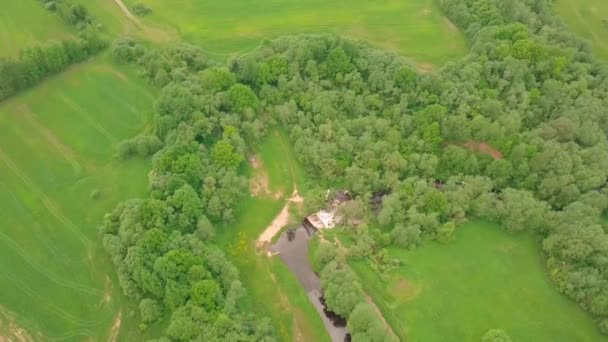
x: 292, y: 247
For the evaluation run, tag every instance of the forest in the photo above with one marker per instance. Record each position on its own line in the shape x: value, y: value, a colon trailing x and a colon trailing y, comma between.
x: 513, y: 133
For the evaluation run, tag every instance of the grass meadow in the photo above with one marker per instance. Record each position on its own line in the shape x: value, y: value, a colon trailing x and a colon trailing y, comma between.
x: 485, y: 279
x: 58, y: 179
x: 588, y: 18
x: 24, y: 23
x: 415, y: 28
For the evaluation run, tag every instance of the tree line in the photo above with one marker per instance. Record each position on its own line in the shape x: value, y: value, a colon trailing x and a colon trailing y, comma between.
x: 33, y: 64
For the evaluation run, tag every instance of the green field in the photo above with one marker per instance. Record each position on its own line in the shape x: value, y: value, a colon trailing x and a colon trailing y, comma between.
x: 414, y: 28
x: 25, y: 23
x: 588, y: 18
x: 56, y: 147
x: 485, y: 279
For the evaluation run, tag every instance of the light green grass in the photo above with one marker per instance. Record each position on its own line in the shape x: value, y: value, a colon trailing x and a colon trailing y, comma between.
x: 485, y: 279
x: 414, y: 28
x: 56, y: 146
x: 274, y: 291
x: 24, y: 23
x: 585, y: 18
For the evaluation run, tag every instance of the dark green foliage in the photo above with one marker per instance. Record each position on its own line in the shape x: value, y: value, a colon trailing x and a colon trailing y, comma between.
x: 70, y: 12
x: 365, y: 326
x: 162, y: 246
x: 150, y: 310
x: 514, y: 132
x: 126, y: 50
x: 35, y: 64
x: 140, y: 9
x: 341, y: 289
x: 143, y: 146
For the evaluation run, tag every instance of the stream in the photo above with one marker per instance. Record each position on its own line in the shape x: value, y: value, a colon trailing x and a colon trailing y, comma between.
x: 292, y: 247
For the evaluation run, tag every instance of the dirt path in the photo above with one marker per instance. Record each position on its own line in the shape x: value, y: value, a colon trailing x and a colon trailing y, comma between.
x: 127, y: 13
x: 279, y: 221
x: 115, y: 328
x: 153, y: 33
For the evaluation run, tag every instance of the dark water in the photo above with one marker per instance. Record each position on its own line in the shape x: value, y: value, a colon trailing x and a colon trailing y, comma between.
x: 293, y: 249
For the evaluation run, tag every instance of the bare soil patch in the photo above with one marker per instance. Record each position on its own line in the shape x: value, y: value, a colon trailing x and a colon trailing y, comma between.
x: 484, y: 148
x: 279, y: 221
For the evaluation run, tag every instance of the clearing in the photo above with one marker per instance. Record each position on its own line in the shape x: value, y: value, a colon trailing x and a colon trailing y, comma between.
x: 484, y: 279
x: 588, y: 18
x: 416, y: 28
x: 56, y: 147
x: 275, y: 293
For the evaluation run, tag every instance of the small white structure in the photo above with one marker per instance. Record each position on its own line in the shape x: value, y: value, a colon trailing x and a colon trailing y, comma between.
x: 328, y: 218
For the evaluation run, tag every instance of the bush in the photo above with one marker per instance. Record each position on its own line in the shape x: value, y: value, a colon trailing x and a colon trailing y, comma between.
x: 140, y: 9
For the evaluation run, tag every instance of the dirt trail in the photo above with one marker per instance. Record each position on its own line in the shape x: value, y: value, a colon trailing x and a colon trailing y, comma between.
x: 279, y: 221
x: 127, y: 13
x: 153, y: 33
x: 11, y: 331
x: 115, y: 328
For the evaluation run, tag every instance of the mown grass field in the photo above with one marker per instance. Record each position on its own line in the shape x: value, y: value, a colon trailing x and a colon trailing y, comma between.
x: 275, y: 293
x: 25, y: 23
x: 56, y: 147
x: 485, y: 279
x: 414, y: 28
x: 589, y: 18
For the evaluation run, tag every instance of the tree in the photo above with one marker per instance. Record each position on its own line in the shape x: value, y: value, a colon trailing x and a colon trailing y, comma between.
x: 406, y: 236
x: 341, y: 290
x: 241, y: 97
x: 337, y: 61
x: 150, y: 310
x: 364, y: 325
x: 446, y: 231
x: 225, y: 156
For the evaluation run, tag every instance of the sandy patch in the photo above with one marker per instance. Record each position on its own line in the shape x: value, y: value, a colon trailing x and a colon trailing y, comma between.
x: 279, y: 221
x: 115, y: 328
x: 484, y: 148
x: 11, y: 331
x: 107, y: 294
x: 258, y: 185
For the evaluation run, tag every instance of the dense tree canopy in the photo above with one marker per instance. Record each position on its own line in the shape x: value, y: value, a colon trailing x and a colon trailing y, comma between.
x: 513, y: 132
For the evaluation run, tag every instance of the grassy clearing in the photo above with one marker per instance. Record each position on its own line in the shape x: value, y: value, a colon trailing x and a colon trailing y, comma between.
x: 55, y: 152
x: 25, y: 23
x: 413, y: 28
x: 275, y: 293
x: 589, y: 18
x: 485, y: 279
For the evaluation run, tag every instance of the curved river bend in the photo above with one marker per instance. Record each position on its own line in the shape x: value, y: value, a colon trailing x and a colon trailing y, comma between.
x: 292, y: 247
